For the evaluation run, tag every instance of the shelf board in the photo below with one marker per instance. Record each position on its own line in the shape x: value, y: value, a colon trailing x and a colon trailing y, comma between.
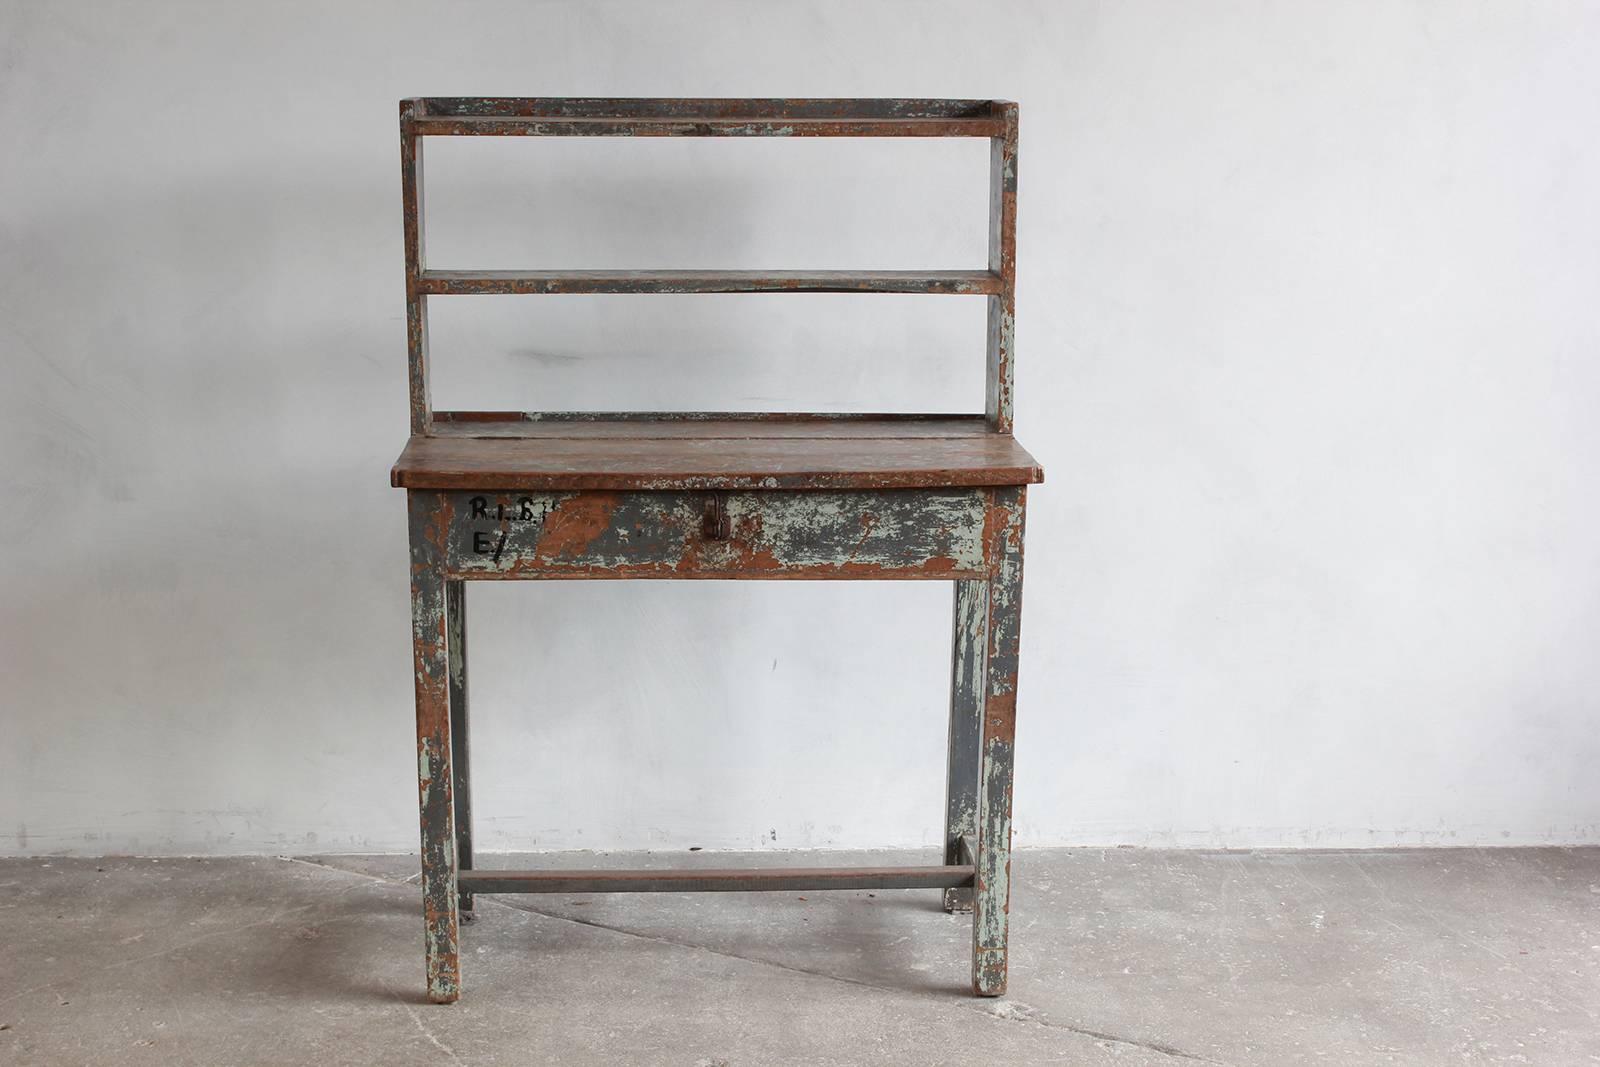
x: 463, y: 282
x: 700, y: 126
x: 708, y: 107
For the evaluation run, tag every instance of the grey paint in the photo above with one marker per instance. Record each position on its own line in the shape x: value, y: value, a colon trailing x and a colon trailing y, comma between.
x: 991, y: 904
x: 455, y: 601
x: 969, y: 628
x: 912, y: 533
x: 435, y: 777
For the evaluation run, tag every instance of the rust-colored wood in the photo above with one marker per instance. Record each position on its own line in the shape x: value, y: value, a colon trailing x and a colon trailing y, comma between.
x: 1000, y: 375
x: 521, y: 126
x: 991, y: 895
x: 435, y: 775
x: 543, y: 282
x: 416, y: 300
x: 708, y: 107
x: 713, y: 463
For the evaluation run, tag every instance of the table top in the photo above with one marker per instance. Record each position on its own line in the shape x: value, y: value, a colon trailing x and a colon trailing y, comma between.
x: 515, y: 452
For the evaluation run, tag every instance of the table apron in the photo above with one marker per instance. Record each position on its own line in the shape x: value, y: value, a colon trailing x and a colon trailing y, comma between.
x: 901, y: 534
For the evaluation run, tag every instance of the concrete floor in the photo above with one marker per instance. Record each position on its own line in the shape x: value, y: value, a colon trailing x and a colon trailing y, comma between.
x: 1118, y: 956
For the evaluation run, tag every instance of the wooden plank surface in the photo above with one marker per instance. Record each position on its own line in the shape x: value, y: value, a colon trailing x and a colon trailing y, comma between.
x: 699, y: 126
x: 702, y: 462
x: 543, y: 282
x: 709, y: 107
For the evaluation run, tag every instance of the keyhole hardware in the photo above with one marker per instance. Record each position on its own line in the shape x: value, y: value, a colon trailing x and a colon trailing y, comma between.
x: 716, y: 525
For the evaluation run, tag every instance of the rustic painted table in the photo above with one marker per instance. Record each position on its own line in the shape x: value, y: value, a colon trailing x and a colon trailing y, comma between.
x: 513, y: 495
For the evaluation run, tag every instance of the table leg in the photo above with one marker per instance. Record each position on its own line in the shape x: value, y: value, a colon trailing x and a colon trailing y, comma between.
x: 434, y: 775
x: 966, y: 724
x: 455, y: 613
x: 992, y: 893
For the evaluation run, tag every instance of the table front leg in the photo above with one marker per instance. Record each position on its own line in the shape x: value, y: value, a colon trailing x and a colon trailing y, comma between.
x: 430, y: 650
x: 992, y: 892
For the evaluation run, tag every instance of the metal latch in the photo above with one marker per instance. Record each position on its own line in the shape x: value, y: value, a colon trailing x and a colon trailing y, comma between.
x: 716, y: 525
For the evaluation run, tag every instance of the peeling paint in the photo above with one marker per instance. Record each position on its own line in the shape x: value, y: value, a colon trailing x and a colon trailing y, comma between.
x: 992, y: 885
x: 455, y: 600
x: 971, y: 604
x: 416, y: 303
x: 905, y: 534
x: 429, y: 535
x: 1001, y: 372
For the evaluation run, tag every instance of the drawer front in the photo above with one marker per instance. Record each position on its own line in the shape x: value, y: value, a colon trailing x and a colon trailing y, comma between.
x: 914, y: 533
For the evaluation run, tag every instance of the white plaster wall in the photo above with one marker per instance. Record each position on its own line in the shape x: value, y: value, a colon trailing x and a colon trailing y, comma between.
x: 1309, y: 347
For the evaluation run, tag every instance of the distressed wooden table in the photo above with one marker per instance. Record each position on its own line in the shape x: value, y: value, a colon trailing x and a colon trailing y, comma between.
x: 513, y: 495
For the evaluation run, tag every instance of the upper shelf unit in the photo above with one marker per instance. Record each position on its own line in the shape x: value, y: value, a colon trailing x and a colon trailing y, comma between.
x: 993, y: 120
x: 437, y: 116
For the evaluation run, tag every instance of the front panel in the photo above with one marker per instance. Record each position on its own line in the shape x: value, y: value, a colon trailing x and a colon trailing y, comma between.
x: 928, y: 533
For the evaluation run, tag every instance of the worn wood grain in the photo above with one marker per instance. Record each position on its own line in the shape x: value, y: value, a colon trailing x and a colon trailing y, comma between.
x: 411, y: 204
x: 966, y: 726
x: 435, y: 778
x: 991, y: 905
x: 1000, y: 375
x: 455, y: 615
x: 697, y: 126
x: 712, y: 463
x: 708, y: 107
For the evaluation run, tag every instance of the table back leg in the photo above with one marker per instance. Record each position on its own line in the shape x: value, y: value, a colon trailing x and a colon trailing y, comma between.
x: 966, y: 724
x: 455, y: 611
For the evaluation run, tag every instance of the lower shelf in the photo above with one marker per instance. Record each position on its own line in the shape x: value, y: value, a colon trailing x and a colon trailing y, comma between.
x: 953, y: 876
